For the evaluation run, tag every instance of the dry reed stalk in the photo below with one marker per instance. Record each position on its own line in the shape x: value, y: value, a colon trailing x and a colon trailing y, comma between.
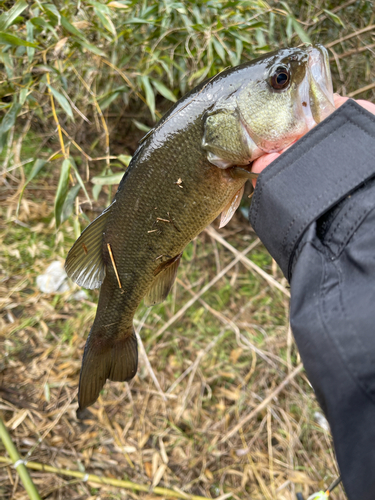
x: 263, y: 404
x: 351, y: 35
x: 119, y: 483
x: 145, y: 357
x: 17, y: 463
x: 247, y: 262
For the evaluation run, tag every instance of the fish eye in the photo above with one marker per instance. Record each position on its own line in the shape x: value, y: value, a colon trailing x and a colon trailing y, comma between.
x: 280, y: 78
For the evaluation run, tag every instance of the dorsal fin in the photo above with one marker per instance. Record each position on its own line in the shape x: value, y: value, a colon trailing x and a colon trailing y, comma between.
x: 84, y: 263
x: 165, y: 275
x: 230, y: 209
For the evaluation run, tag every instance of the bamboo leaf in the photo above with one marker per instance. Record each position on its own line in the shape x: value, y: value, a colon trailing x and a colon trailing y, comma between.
x: 53, y: 9
x: 141, y: 126
x: 335, y: 18
x: 150, y: 96
x: 68, y: 206
x: 79, y: 178
x: 10, y: 118
x: 163, y: 90
x: 106, y: 22
x: 104, y: 180
x: 37, y: 167
x: 91, y: 48
x: 300, y: 31
x: 125, y: 159
x: 7, y: 18
x: 62, y: 100
x: 7, y: 38
x: 30, y: 38
x: 62, y: 190
x: 219, y: 49
x: 69, y: 27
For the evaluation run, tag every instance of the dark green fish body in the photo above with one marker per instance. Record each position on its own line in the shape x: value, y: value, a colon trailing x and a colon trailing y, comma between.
x: 186, y: 171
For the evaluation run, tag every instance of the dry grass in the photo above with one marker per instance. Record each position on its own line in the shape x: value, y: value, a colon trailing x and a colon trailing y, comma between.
x: 225, y: 359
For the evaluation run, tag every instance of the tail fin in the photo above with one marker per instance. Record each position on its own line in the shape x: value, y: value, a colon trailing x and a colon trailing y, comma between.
x: 106, y: 358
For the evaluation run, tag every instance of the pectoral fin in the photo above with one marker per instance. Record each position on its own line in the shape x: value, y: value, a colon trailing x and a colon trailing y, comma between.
x: 242, y: 173
x: 230, y: 209
x: 165, y: 274
x: 84, y: 263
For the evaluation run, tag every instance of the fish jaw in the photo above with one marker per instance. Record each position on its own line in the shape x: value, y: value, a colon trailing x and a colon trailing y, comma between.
x: 321, y: 102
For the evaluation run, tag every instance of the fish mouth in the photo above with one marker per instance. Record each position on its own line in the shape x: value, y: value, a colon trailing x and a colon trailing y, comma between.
x: 316, y: 91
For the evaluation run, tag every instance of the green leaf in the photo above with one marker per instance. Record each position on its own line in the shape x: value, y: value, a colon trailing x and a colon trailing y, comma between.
x: 53, y: 9
x: 30, y: 38
x: 7, y: 18
x: 23, y: 95
x: 10, y: 118
x: 79, y: 178
x: 137, y: 20
x: 62, y: 101
x: 69, y: 27
x: 219, y: 49
x: 14, y: 40
x: 335, y: 18
x: 62, y: 190
x: 68, y: 206
x: 106, y: 22
x: 91, y: 48
x: 163, y: 90
x: 39, y: 22
x: 141, y: 126
x: 104, y: 180
x: 150, y: 96
x: 100, y: 7
x: 125, y: 159
x: 96, y: 191
x: 300, y: 31
x: 107, y: 100
x: 37, y: 167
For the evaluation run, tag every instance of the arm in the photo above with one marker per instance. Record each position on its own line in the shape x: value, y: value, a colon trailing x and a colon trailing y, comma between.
x: 314, y: 209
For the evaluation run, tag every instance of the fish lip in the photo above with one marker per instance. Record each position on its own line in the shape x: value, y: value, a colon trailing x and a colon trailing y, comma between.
x: 318, y: 73
x: 319, y: 68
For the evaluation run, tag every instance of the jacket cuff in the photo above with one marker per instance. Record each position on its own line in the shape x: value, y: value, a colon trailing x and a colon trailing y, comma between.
x: 312, y: 176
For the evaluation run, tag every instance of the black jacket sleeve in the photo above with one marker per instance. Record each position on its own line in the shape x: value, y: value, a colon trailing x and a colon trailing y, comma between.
x: 314, y: 209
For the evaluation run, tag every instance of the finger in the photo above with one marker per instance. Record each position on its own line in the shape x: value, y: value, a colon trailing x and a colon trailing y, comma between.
x: 367, y: 105
x: 262, y: 162
x: 339, y: 100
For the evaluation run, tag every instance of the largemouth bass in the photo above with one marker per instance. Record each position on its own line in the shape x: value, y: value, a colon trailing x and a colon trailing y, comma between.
x: 186, y: 171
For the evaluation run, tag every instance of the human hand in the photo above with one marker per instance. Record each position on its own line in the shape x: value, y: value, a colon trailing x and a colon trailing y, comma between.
x: 262, y: 162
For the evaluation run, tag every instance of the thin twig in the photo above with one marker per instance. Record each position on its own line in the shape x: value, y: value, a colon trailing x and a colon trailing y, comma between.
x: 232, y: 325
x: 247, y: 262
x: 362, y: 89
x: 114, y: 264
x: 54, y: 111
x: 352, y: 52
x: 93, y: 478
x: 145, y: 357
x: 342, y: 39
x: 263, y: 404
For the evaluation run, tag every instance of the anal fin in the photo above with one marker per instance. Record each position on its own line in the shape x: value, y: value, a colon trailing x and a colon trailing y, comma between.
x: 165, y: 275
x: 106, y: 358
x: 84, y: 263
x: 230, y: 209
